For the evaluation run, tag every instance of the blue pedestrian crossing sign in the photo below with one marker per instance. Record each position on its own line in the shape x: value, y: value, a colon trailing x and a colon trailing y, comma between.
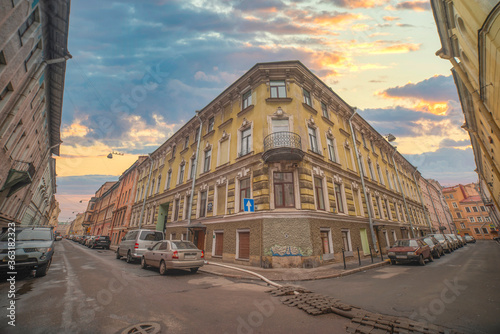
x: 248, y: 204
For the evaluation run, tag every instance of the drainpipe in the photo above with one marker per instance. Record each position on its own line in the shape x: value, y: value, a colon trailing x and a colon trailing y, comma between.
x: 403, y: 194
x: 195, y: 166
x: 147, y: 190
x: 368, y: 204
x: 422, y: 200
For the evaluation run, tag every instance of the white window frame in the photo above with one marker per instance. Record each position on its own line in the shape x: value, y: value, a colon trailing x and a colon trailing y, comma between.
x: 349, y: 242
x: 206, y: 168
x: 394, y: 235
x: 240, y: 138
x: 329, y: 255
x: 237, y: 190
x: 216, y: 198
x: 198, y: 201
x: 342, y: 194
x: 380, y: 176
x: 454, y: 204
x: 471, y: 219
x: 311, y: 146
x: 331, y: 140
x: 326, y: 202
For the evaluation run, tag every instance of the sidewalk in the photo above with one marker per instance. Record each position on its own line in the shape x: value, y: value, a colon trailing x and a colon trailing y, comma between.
x: 295, y: 274
x: 292, y: 274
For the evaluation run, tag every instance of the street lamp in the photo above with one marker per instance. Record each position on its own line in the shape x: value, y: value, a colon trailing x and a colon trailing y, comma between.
x: 110, y: 156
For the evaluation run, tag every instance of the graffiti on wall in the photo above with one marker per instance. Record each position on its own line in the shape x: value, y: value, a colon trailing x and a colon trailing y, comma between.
x: 285, y: 251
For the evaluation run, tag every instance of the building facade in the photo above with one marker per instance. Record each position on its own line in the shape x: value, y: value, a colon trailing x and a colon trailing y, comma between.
x: 469, y: 36
x: 436, y: 205
x: 470, y: 216
x: 125, y: 199
x: 33, y: 52
x: 104, y: 206
x: 277, y: 181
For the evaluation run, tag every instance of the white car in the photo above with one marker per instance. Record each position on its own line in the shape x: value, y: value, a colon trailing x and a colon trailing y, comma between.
x: 173, y: 254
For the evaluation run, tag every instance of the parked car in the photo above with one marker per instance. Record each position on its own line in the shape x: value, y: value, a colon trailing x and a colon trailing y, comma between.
x: 136, y: 242
x: 436, y: 248
x: 88, y: 240
x: 410, y: 250
x: 455, y: 240
x: 59, y: 237
x: 34, y: 248
x: 83, y: 239
x: 462, y: 240
x: 102, y: 241
x: 173, y: 254
x: 446, y: 243
x: 470, y: 239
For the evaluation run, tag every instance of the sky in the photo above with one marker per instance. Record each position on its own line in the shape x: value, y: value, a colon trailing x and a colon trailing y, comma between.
x: 141, y: 69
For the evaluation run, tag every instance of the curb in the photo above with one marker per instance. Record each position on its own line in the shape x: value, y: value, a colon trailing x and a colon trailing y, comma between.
x: 341, y: 274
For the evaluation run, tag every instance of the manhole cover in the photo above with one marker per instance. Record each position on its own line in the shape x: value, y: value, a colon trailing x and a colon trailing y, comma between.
x: 143, y: 328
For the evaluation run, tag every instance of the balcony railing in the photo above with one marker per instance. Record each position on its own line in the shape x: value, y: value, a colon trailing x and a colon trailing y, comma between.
x: 282, y: 145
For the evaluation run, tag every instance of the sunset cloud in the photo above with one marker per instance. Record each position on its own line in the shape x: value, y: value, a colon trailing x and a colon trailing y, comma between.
x: 414, y: 5
x: 360, y: 3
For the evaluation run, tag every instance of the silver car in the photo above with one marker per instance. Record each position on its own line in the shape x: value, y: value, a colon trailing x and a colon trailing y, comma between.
x: 447, y: 244
x: 136, y: 242
x: 173, y: 254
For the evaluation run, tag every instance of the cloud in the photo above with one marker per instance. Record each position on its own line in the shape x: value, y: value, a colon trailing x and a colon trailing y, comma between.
x: 414, y: 5
x: 391, y: 18
x: 447, y: 165
x: 447, y: 143
x: 360, y: 3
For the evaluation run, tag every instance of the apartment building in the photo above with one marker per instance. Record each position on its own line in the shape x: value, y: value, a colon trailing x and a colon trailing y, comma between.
x: 469, y: 36
x: 273, y: 170
x: 105, y: 202
x: 33, y: 52
x: 437, y: 208
x: 470, y: 215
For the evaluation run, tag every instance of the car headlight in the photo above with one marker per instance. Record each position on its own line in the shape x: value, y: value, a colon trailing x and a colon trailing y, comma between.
x: 391, y: 253
x: 44, y: 249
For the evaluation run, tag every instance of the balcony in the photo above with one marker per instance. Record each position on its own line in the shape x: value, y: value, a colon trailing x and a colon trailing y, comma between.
x: 280, y: 146
x: 20, y: 174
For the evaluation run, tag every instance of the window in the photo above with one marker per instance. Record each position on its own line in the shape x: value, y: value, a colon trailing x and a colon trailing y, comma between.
x: 476, y: 230
x: 186, y: 142
x: 243, y: 242
x: 394, y: 235
x: 283, y: 190
x: 203, y: 203
x: 388, y: 179
x: 479, y: 219
x: 244, y: 192
x: 362, y: 163
x: 338, y: 197
x: 173, y: 151
x: 5, y: 91
x: 380, y: 177
x: 193, y: 164
x: 474, y: 208
x: 485, y: 230
x: 379, y: 207
x: 483, y: 208
x: 346, y: 240
x: 210, y: 124
x: 459, y: 215
x: 363, y: 138
x: 196, y: 134
x: 373, y: 146
x: 313, y: 140
x: 246, y: 141
x: 454, y: 205
x: 387, y: 209
x: 318, y: 191
x: 487, y: 219
x: 181, y: 173
x: 221, y: 200
x: 186, y: 207
x: 370, y: 168
x: 467, y: 209
x: 278, y: 89
x: 169, y: 178
x: 471, y: 219
x: 307, y: 97
x: 324, y: 109
x: 26, y: 61
x: 387, y: 242
x: 27, y: 24
x: 331, y: 149
x: 462, y: 225
x: 2, y: 58
x: 208, y: 155
x: 158, y: 185
x: 247, y: 99
x: 218, y: 243
x: 177, y: 205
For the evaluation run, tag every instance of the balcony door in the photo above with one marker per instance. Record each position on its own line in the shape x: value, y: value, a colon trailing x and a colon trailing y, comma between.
x: 281, y: 125
x: 281, y: 128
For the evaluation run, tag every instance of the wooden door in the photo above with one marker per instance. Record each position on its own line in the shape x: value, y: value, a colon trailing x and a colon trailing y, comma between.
x: 200, y: 239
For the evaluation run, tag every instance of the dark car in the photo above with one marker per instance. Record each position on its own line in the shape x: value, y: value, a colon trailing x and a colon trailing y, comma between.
x: 470, y: 239
x: 34, y: 248
x: 436, y: 248
x: 410, y: 250
x: 102, y: 241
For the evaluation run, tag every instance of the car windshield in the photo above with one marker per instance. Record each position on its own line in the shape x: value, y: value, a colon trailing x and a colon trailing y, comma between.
x: 405, y: 243
x: 105, y: 237
x: 183, y: 245
x: 429, y: 241
x: 29, y: 234
x: 151, y: 236
x: 438, y: 236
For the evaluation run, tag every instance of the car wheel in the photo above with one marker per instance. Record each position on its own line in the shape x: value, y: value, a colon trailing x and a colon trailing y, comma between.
x: 43, y: 270
x: 194, y: 270
x: 129, y: 257
x: 431, y: 258
x: 393, y: 262
x: 118, y: 254
x: 143, y: 263
x: 163, y: 268
x: 421, y: 260
x: 93, y: 246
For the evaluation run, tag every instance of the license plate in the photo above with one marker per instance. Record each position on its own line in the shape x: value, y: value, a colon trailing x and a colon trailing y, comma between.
x: 401, y: 256
x: 190, y: 257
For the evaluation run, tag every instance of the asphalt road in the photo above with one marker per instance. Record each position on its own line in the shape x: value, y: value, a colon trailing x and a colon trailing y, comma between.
x: 460, y: 290
x: 89, y: 291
